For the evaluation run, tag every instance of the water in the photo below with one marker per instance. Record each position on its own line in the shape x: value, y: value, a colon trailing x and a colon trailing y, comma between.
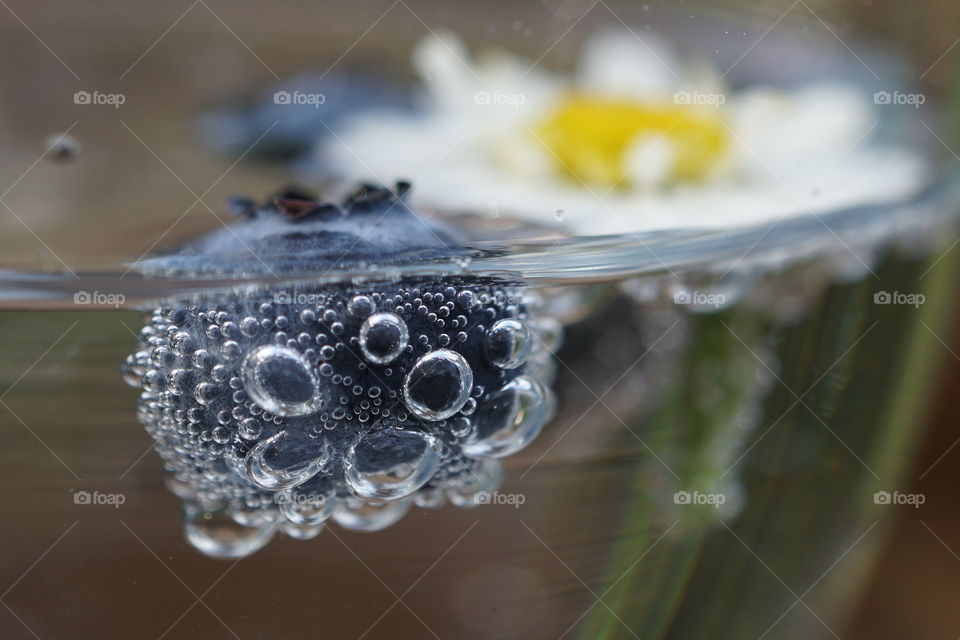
x: 667, y: 434
x: 675, y: 430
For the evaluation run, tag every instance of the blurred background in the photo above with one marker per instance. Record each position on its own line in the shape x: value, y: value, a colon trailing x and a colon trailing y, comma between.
x: 171, y: 60
x: 145, y: 174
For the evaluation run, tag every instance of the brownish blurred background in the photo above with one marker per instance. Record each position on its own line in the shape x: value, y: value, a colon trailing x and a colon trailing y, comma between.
x: 143, y: 162
x: 913, y: 591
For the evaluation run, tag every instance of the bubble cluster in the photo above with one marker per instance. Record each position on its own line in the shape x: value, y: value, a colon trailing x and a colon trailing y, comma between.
x: 283, y: 410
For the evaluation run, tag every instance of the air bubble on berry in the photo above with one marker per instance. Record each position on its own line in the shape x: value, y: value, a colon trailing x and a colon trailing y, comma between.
x: 460, y: 427
x: 250, y: 429
x: 301, y: 531
x: 438, y: 385
x: 549, y: 334
x: 360, y: 306
x: 391, y: 463
x: 133, y: 369
x: 383, y: 337
x: 183, y: 343
x: 153, y: 381
x: 249, y: 515
x: 305, y: 508
x: 265, y: 468
x: 430, y: 498
x: 178, y: 486
x: 509, y: 419
x: 485, y: 478
x: 216, y: 534
x: 281, y: 381
x: 508, y: 343
x: 360, y: 515
x: 250, y: 326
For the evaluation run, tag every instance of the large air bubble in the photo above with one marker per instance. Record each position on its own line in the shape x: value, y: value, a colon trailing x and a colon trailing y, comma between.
x: 359, y: 515
x: 509, y: 419
x: 281, y: 381
x: 216, y: 534
x: 264, y: 468
x: 438, y: 385
x: 383, y: 337
x: 508, y: 343
x: 391, y: 464
x: 305, y: 508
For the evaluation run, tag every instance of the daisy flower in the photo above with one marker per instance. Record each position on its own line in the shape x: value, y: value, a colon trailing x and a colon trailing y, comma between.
x: 635, y: 139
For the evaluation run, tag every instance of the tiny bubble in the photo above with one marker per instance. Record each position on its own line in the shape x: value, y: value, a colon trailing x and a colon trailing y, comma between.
x: 62, y: 148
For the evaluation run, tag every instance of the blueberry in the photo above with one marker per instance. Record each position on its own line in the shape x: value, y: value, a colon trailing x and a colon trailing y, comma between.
x: 293, y: 405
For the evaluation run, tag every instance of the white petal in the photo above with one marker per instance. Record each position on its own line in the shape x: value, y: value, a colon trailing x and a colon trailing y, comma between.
x: 444, y: 64
x: 809, y: 129
x: 622, y: 63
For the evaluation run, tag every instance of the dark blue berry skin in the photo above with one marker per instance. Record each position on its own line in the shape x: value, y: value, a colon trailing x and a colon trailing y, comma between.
x: 343, y: 397
x: 294, y: 233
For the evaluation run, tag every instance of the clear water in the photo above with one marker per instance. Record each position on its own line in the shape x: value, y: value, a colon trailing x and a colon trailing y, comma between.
x: 646, y: 482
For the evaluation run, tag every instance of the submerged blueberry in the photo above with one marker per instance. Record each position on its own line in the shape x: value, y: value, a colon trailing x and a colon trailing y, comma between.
x: 290, y: 406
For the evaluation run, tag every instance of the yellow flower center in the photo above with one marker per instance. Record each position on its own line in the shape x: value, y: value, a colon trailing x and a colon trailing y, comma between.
x: 593, y: 139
